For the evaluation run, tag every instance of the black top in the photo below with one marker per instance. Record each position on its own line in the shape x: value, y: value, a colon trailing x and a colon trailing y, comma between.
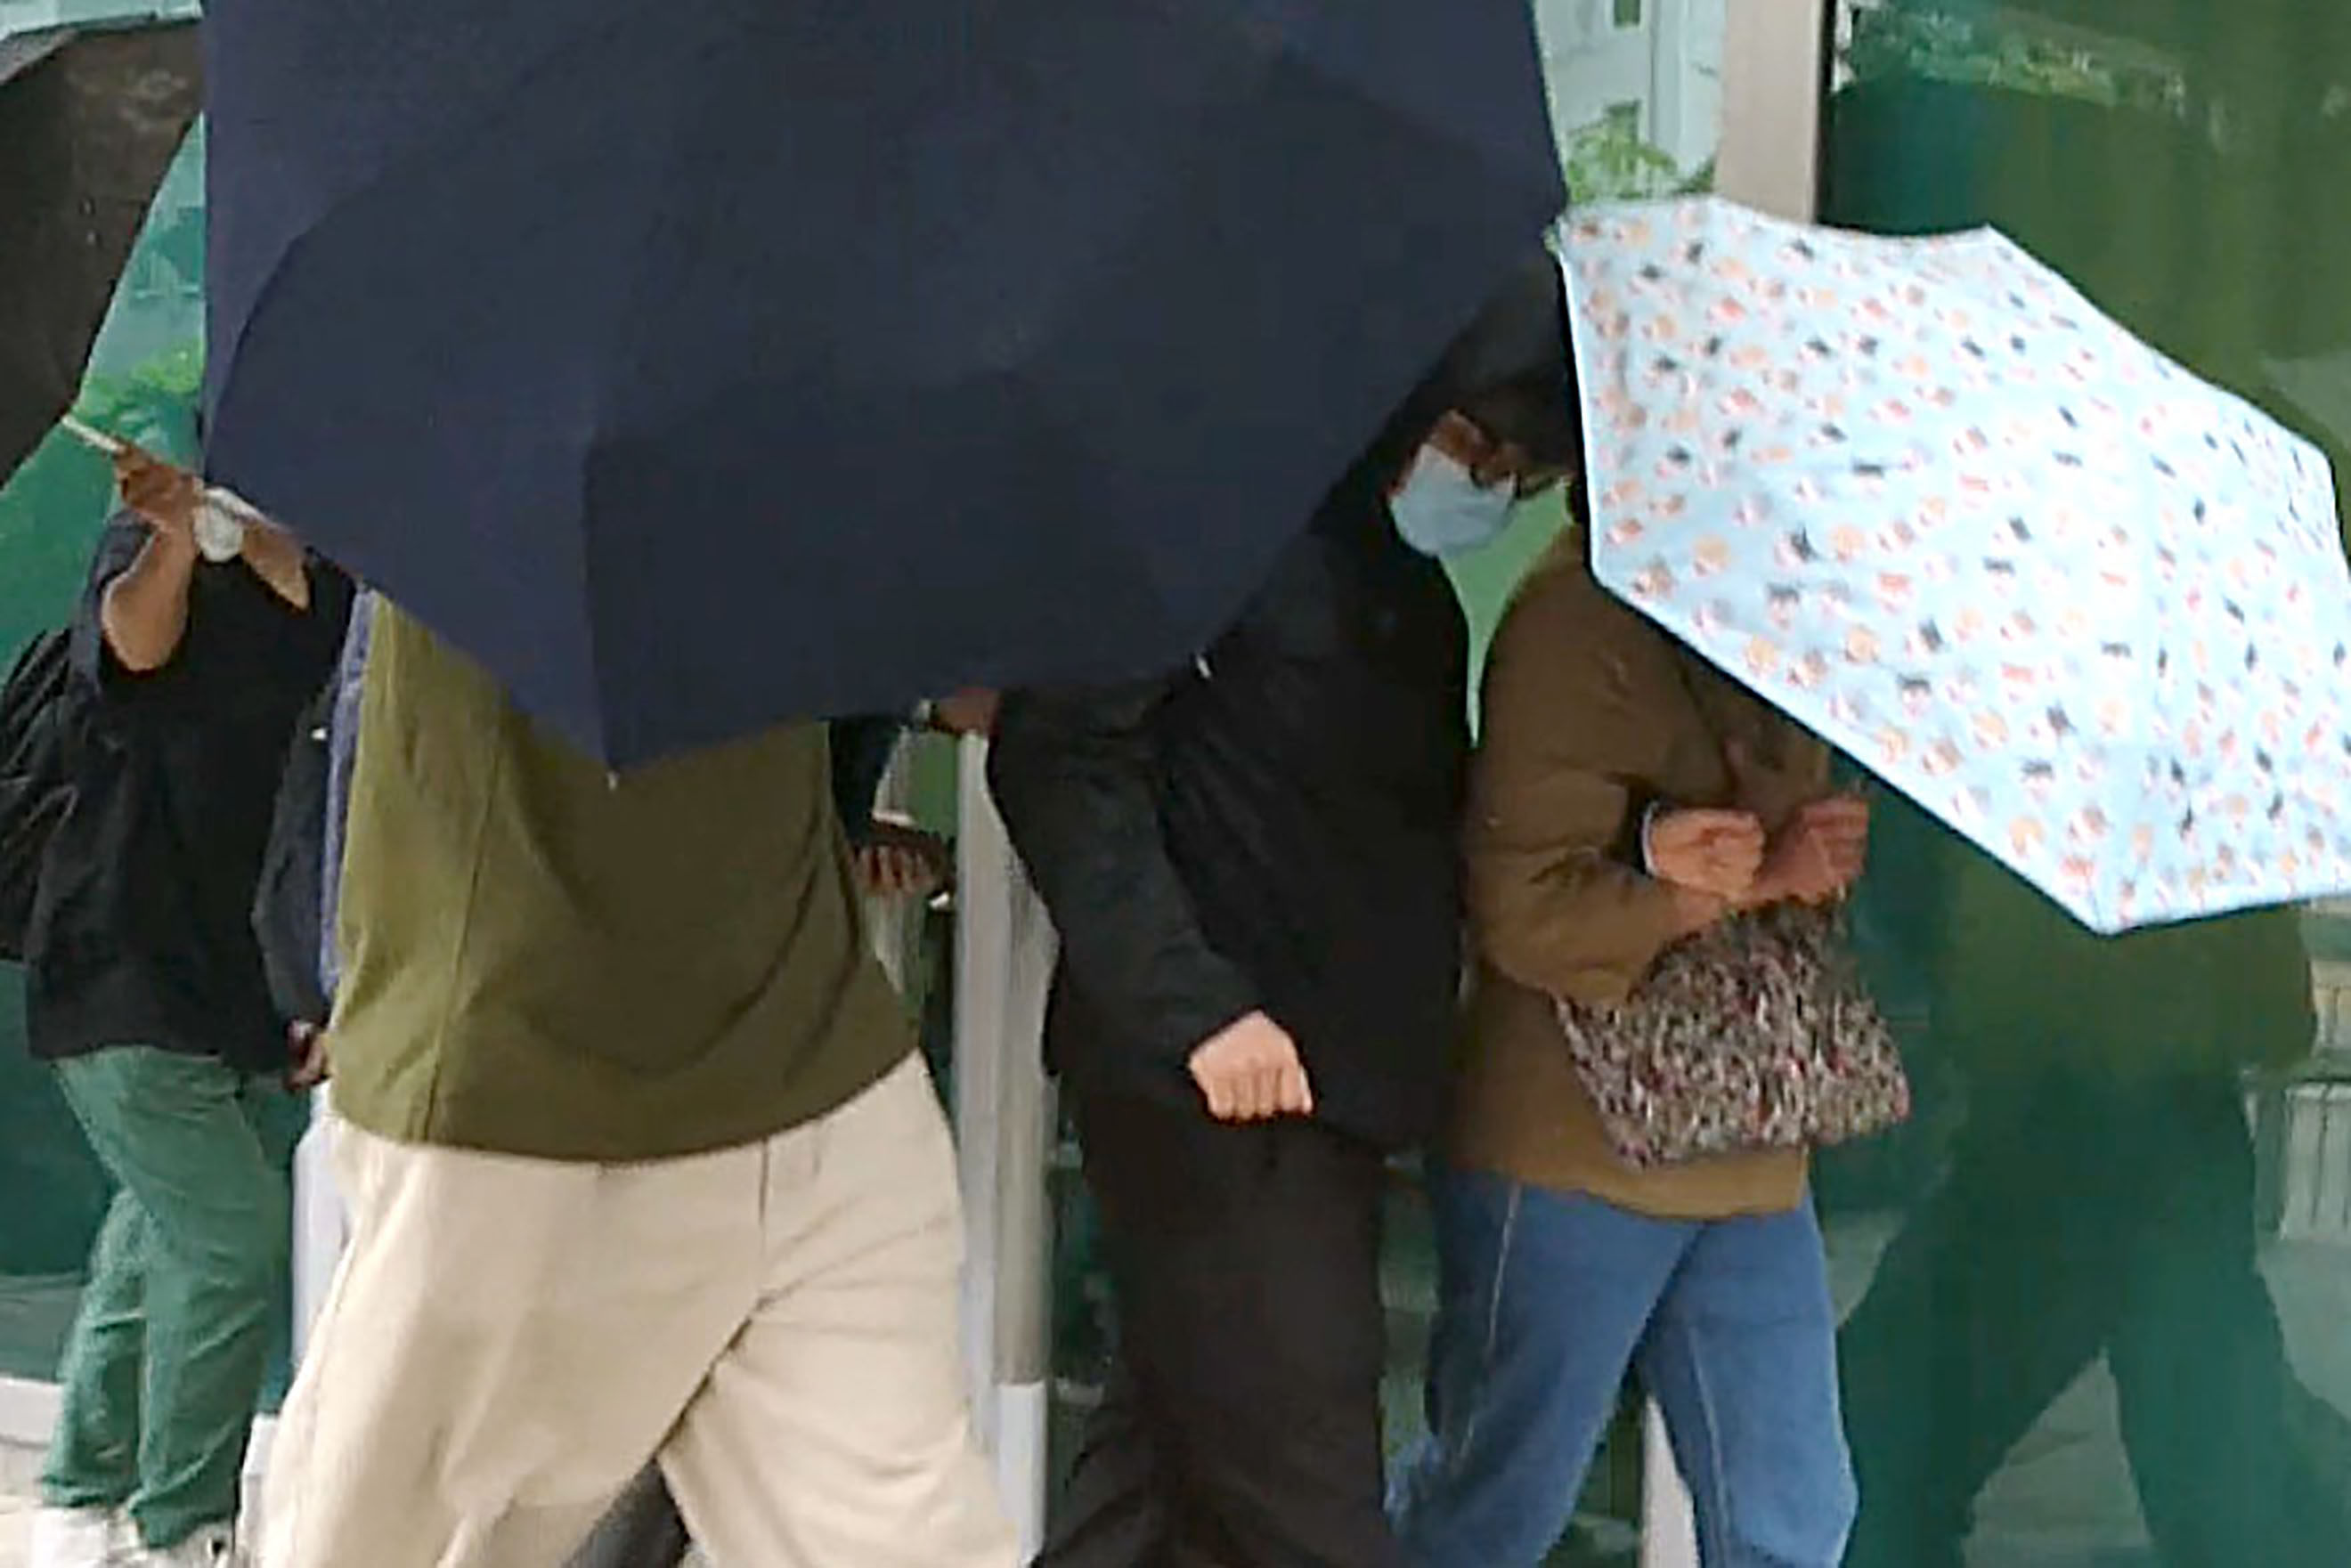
x: 142, y: 934
x: 1275, y: 828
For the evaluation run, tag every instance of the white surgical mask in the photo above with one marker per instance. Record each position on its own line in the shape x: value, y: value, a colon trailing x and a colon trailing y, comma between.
x: 1440, y: 509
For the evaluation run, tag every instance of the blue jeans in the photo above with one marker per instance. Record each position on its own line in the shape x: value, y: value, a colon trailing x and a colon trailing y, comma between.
x: 1547, y: 1298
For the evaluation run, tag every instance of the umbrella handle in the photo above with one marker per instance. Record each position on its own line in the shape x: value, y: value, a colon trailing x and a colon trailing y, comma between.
x: 238, y: 506
x: 94, y: 438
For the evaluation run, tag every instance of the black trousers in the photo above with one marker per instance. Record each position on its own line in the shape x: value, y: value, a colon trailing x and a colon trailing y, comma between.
x: 642, y: 1529
x: 1242, y: 1429
x: 2087, y: 1217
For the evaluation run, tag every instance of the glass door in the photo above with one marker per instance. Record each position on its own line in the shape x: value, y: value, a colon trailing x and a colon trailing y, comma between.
x: 2097, y: 1290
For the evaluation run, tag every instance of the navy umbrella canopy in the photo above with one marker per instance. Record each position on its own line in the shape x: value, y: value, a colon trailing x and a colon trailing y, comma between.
x: 700, y: 364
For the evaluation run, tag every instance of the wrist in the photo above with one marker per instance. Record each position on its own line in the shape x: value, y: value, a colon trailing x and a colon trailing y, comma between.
x: 1627, y: 845
x: 1644, y: 838
x: 172, y: 547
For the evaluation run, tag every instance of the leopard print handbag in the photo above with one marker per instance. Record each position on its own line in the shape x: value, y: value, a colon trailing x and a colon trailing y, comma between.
x: 1755, y: 1034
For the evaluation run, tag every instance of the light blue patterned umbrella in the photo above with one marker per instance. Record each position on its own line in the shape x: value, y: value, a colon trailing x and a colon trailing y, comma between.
x: 2087, y: 609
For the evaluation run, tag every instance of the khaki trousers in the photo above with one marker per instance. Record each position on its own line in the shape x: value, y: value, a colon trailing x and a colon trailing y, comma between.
x: 509, y: 1340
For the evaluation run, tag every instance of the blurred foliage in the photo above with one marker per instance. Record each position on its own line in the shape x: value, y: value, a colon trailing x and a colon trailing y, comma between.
x: 1609, y: 161
x: 1944, y: 42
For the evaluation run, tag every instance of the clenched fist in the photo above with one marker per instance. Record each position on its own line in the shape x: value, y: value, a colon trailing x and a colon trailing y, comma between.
x: 1250, y: 1071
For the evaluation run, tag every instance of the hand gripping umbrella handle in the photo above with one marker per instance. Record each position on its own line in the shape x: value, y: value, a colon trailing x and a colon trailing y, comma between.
x: 97, y: 440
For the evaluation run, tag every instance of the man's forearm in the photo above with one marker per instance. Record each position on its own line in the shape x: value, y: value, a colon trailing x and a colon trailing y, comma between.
x: 1072, y: 777
x: 145, y: 612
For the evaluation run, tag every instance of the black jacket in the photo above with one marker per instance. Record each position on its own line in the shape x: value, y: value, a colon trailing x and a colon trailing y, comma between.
x: 290, y: 909
x: 1274, y: 828
x: 142, y: 931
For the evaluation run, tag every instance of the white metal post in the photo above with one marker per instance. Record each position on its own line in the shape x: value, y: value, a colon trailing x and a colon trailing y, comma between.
x: 892, y: 926
x: 1668, y: 1526
x: 1004, y: 1123
x: 1771, y: 104
x: 320, y: 1224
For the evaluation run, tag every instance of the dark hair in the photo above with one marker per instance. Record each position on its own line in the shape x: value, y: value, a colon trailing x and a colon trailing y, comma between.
x: 1510, y: 371
x: 1513, y: 371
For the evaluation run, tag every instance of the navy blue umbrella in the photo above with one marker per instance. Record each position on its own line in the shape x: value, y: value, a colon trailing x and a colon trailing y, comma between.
x: 701, y: 363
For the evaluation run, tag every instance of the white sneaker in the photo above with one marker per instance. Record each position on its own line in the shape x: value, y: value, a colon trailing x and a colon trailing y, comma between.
x: 76, y: 1538
x: 214, y: 1546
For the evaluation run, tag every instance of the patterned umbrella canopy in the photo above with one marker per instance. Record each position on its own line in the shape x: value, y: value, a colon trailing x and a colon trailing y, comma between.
x: 2087, y: 609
